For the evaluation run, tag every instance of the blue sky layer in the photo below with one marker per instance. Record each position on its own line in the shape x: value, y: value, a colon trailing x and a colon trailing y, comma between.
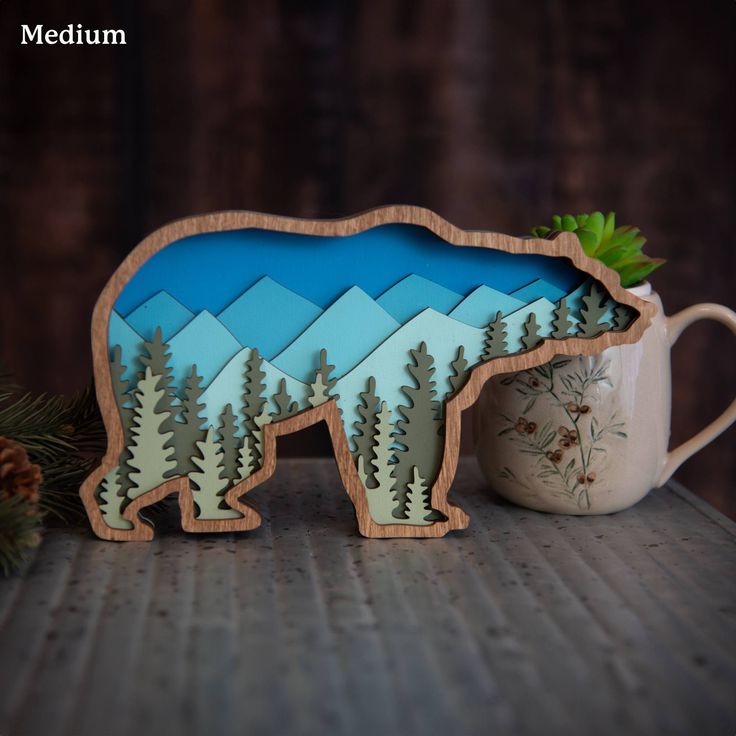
x: 211, y: 270
x: 414, y: 294
x: 268, y: 316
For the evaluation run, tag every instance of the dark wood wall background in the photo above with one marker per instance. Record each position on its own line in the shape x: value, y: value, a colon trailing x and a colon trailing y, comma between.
x: 496, y: 114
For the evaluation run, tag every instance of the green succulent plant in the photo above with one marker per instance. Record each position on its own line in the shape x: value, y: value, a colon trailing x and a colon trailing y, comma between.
x: 620, y: 248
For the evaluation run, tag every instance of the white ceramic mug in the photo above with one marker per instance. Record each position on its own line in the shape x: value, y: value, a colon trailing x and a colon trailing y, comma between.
x: 589, y: 435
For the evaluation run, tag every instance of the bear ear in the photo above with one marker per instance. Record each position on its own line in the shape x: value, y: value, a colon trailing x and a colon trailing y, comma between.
x: 222, y: 332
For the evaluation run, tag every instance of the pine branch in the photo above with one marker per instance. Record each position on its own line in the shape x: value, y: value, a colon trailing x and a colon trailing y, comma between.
x: 65, y: 436
x: 20, y: 524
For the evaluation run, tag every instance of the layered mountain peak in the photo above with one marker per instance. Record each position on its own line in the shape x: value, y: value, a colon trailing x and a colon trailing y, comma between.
x: 268, y: 316
x: 347, y: 330
x: 411, y: 295
x: 482, y: 304
x: 537, y: 289
x: 161, y: 310
x: 204, y: 342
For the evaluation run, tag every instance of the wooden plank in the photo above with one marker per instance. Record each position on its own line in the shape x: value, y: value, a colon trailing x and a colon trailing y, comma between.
x: 526, y: 623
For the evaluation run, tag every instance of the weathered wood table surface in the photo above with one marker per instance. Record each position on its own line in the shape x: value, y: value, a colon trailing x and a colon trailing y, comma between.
x: 523, y: 624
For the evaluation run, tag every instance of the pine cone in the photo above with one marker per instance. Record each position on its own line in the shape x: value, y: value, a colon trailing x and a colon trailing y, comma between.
x: 18, y: 476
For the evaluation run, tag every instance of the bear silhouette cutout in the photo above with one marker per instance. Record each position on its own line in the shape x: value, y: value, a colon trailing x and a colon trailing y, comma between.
x: 221, y: 332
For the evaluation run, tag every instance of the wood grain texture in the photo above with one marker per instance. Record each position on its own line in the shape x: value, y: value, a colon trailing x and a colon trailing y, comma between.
x: 524, y: 625
x: 561, y: 245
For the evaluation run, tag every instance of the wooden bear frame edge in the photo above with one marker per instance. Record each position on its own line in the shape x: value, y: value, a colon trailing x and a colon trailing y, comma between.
x: 563, y: 244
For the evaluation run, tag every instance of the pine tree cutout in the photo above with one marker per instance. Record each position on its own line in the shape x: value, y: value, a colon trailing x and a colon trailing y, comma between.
x: 245, y: 461
x: 120, y: 389
x: 622, y: 317
x: 417, y: 501
x: 285, y: 407
x: 531, y: 337
x: 189, y: 431
x: 418, y: 430
x: 591, y: 313
x: 254, y: 399
x: 322, y: 387
x: 157, y: 358
x: 112, y: 502
x: 151, y: 454
x: 382, y: 499
x: 365, y: 427
x: 459, y: 375
x: 229, y: 442
x: 259, y: 423
x: 562, y: 323
x: 124, y: 403
x: 209, y: 482
x: 495, y: 342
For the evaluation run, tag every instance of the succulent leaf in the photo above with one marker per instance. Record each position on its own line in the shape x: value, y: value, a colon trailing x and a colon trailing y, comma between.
x: 569, y: 223
x: 587, y: 239
x: 596, y: 222
x: 609, y: 226
x: 619, y: 248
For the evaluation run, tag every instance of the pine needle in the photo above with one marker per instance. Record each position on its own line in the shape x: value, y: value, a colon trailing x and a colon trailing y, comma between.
x: 20, y: 525
x: 65, y: 436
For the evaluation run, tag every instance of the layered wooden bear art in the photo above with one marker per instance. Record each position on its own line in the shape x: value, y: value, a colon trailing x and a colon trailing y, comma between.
x: 221, y: 332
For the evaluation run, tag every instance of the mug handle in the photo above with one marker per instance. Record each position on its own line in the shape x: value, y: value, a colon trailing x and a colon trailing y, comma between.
x: 676, y: 324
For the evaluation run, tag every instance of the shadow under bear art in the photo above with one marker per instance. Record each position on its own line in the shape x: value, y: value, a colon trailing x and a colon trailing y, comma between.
x: 220, y: 332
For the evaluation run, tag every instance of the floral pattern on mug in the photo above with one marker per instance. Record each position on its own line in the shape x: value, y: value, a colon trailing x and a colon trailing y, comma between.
x: 567, y: 457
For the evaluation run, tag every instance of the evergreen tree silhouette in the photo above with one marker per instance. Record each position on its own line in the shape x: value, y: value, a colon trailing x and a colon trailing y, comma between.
x: 460, y: 374
x: 189, y: 431
x: 418, y: 437
x: 562, y: 323
x: 365, y: 427
x: 151, y: 454
x: 208, y: 482
x: 322, y: 387
x: 531, y: 337
x: 285, y: 407
x: 254, y: 400
x: 157, y: 359
x: 495, y: 343
x: 124, y: 403
x: 418, y: 508
x: 229, y: 443
x: 592, y: 312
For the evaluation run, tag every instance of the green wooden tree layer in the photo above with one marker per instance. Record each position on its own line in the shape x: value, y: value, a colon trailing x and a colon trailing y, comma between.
x: 189, y: 431
x: 151, y: 452
x: 112, y: 502
x: 561, y: 324
x: 365, y: 437
x: 382, y: 499
x: 157, y: 357
x: 591, y: 313
x: 418, y: 431
x: 531, y: 337
x: 229, y: 443
x: 495, y: 342
x: 322, y: 388
x: 209, y: 482
x: 418, y: 507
